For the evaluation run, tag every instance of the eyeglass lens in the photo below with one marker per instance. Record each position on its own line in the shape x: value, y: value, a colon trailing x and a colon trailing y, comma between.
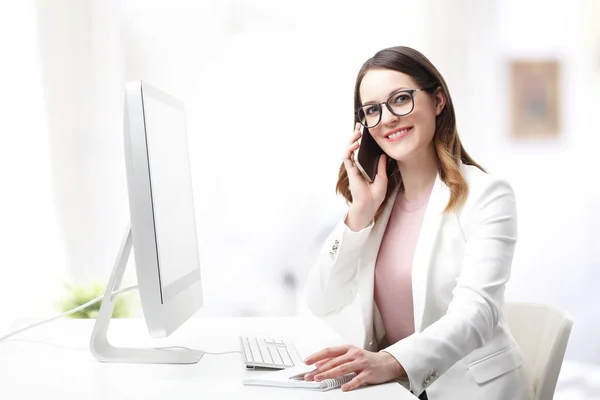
x: 400, y: 104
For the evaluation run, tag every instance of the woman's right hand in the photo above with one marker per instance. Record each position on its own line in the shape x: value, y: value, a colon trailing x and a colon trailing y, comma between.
x: 366, y: 197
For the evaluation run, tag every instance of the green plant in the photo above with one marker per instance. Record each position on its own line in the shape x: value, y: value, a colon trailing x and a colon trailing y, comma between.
x: 77, y: 295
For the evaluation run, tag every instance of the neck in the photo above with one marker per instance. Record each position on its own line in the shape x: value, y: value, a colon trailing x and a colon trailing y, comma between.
x: 418, y: 173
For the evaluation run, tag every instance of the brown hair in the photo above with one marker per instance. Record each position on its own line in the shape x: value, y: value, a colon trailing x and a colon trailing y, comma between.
x: 448, y: 148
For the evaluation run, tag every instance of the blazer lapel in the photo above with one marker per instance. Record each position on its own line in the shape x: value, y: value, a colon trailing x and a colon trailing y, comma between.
x: 425, y: 247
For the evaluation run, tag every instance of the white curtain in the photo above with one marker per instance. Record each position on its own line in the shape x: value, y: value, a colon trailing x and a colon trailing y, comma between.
x: 32, y: 261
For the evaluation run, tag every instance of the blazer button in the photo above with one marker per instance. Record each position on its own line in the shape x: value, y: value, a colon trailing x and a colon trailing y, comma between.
x: 432, y: 378
x: 335, y: 246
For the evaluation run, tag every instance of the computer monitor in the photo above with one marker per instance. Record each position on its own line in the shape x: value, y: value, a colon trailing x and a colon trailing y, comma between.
x: 163, y: 229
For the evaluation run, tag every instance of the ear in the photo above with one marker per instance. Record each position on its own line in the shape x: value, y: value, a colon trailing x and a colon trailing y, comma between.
x: 440, y: 101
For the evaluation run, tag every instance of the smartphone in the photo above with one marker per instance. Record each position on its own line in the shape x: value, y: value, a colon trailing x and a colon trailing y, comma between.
x: 366, y: 157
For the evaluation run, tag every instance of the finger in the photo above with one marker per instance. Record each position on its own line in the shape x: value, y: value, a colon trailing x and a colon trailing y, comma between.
x: 356, y: 382
x: 357, y: 133
x: 351, y: 169
x: 349, y: 160
x: 309, y: 375
x: 328, y: 352
x: 358, y: 127
x: 350, y: 150
x: 381, y: 170
x: 343, y: 367
x: 322, y: 362
x: 334, y: 362
x: 355, y: 137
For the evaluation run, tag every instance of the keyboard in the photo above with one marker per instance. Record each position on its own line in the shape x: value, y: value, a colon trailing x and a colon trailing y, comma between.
x: 269, y: 353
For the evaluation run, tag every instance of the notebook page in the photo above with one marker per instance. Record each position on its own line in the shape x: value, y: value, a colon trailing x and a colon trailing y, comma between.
x: 282, y: 379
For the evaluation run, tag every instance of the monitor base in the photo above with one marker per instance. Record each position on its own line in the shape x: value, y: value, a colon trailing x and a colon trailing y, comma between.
x: 104, y: 351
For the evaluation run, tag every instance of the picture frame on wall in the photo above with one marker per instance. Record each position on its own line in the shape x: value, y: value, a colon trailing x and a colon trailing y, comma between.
x: 535, y: 96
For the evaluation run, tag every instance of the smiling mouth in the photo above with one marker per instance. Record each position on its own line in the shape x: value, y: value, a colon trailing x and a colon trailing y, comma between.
x: 398, y: 133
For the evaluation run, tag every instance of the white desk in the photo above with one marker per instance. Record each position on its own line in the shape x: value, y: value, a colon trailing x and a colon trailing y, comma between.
x: 34, y: 370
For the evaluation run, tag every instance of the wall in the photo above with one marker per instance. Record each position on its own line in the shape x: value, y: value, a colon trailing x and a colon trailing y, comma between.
x: 557, y: 258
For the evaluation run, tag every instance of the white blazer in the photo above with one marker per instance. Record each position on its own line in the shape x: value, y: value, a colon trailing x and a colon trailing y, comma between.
x: 462, y: 347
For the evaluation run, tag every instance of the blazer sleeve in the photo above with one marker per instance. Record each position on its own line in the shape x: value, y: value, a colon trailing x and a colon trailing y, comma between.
x: 490, y: 231
x: 332, y: 282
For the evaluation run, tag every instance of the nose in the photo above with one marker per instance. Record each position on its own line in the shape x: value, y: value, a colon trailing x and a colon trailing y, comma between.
x: 387, y: 118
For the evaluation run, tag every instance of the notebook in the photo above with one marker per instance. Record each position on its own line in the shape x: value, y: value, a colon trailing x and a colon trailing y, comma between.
x: 293, y: 378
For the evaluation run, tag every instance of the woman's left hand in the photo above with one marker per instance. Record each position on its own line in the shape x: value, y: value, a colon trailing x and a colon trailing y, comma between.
x: 370, y: 368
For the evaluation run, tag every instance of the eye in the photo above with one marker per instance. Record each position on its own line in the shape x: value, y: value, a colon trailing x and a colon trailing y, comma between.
x: 400, y: 98
x: 371, y: 110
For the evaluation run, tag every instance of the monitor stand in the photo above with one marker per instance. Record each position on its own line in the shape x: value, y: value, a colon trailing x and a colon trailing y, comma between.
x: 99, y: 344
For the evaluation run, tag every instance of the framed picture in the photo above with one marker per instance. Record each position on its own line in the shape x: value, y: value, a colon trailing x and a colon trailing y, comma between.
x: 535, y: 99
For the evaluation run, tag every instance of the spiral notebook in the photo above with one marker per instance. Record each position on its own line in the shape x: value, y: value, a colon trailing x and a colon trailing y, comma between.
x: 293, y: 378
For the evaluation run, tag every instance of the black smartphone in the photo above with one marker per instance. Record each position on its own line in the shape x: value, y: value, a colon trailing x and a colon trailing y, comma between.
x: 366, y: 157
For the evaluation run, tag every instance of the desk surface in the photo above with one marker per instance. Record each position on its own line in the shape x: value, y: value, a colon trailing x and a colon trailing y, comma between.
x: 65, y: 368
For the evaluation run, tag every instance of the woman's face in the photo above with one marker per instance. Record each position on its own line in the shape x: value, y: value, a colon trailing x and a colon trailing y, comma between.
x: 409, y: 136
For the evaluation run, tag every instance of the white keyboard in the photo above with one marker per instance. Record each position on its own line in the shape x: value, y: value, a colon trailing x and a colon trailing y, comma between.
x: 269, y: 353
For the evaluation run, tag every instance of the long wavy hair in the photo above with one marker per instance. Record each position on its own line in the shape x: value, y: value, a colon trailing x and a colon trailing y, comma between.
x: 449, y: 150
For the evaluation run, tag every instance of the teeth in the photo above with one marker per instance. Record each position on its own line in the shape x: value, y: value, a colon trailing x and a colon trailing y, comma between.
x: 393, y: 135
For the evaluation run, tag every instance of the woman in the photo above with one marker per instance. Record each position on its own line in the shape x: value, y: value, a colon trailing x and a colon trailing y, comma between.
x: 423, y: 255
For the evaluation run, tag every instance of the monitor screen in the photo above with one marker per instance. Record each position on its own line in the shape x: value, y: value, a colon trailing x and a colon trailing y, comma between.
x: 172, y: 200
x: 161, y: 207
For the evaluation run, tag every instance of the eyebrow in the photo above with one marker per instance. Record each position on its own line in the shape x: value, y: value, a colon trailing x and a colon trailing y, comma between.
x: 389, y: 94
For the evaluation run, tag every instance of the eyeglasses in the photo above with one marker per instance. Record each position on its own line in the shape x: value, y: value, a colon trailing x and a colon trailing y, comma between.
x: 400, y: 103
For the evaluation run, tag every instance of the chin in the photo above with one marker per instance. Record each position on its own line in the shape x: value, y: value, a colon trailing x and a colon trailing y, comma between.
x: 399, y: 154
x: 403, y: 152
x: 402, y: 149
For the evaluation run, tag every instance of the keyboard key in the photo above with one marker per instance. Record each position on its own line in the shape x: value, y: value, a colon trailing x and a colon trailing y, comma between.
x: 247, y: 351
x: 256, y: 353
x: 285, y: 356
x: 265, y: 354
x: 275, y: 355
x: 270, y: 353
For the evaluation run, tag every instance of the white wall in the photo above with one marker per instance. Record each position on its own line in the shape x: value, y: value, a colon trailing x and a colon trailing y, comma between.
x: 557, y: 258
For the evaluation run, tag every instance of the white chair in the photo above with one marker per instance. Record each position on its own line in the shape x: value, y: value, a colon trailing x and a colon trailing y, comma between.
x: 542, y: 332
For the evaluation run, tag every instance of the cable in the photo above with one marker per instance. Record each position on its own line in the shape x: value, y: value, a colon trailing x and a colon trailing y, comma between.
x: 198, y: 351
x: 156, y: 348
x: 223, y: 352
x: 74, y: 310
x: 47, y: 343
x: 89, y: 303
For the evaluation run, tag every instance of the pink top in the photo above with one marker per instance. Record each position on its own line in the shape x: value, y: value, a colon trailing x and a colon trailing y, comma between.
x: 393, y: 269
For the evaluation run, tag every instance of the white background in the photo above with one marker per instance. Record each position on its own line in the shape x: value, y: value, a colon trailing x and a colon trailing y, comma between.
x: 263, y: 165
